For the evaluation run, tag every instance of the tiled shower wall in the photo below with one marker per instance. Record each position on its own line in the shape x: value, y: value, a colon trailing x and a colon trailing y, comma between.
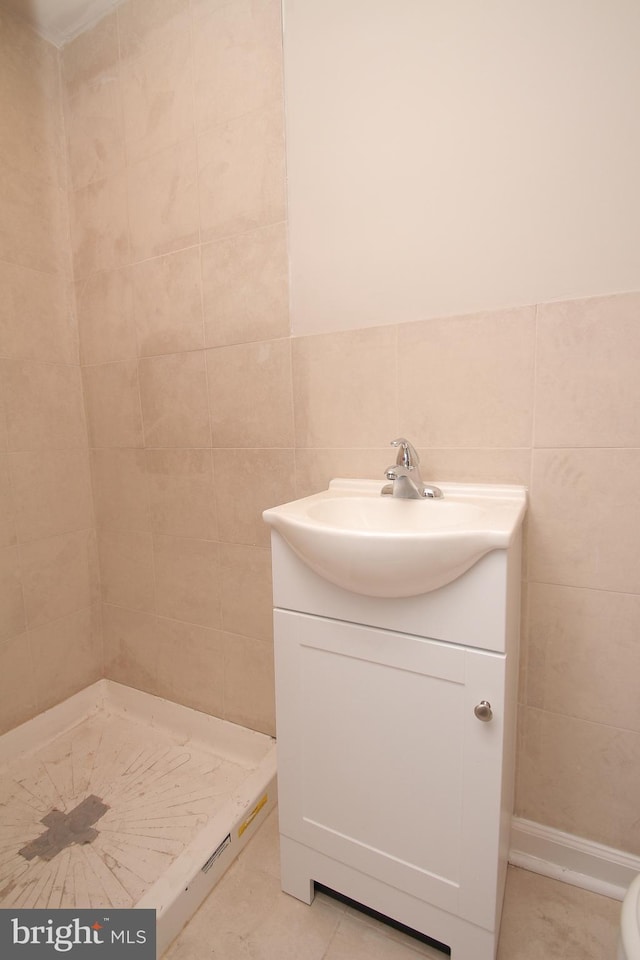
x: 49, y: 598
x: 202, y: 410
x: 174, y: 118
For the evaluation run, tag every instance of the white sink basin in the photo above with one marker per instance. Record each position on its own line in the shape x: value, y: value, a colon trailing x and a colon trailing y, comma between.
x: 387, y: 547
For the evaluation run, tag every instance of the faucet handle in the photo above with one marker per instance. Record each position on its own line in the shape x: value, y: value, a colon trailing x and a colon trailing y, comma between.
x: 407, y: 454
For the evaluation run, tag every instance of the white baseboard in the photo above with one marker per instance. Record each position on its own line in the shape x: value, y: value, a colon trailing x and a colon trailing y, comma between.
x: 572, y: 859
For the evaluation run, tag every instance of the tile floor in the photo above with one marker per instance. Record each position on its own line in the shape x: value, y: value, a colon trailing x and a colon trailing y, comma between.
x: 247, y: 917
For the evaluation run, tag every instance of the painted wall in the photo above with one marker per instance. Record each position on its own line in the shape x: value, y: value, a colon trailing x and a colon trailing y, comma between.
x: 50, y: 643
x: 464, y: 156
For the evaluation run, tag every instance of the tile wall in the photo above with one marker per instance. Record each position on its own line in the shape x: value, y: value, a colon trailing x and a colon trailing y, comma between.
x: 174, y: 120
x: 50, y: 643
x: 202, y: 410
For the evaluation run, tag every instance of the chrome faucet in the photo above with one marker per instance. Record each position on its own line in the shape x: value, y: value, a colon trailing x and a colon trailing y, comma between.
x: 406, y: 481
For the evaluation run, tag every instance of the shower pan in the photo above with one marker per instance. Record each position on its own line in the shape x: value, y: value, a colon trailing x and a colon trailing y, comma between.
x: 116, y: 798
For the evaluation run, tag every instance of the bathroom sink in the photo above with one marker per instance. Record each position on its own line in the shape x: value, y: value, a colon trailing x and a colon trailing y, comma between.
x: 384, y: 546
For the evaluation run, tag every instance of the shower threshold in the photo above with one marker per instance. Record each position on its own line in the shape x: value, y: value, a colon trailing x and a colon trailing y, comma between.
x: 116, y: 798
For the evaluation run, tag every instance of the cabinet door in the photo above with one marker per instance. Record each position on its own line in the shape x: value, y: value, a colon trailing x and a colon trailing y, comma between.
x: 383, y: 765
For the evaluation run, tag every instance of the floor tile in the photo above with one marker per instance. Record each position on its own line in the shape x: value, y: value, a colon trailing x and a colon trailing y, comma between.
x: 545, y: 919
x: 247, y: 917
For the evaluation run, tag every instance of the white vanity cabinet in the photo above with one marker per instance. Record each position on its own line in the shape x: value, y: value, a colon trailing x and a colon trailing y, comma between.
x: 395, y: 728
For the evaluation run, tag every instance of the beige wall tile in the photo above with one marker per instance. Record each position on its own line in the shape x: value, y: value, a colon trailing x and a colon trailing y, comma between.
x: 163, y: 201
x: 95, y: 138
x: 52, y: 492
x: 191, y: 665
x: 7, y: 519
x: 158, y: 105
x: 241, y: 174
x: 90, y: 54
x: 126, y: 569
x: 584, y: 519
x: 145, y: 22
x: 167, y: 299
x: 12, y: 618
x: 267, y: 478
x: 173, y: 392
x: 344, y: 388
x: 17, y: 686
x: 201, y: 9
x: 250, y: 395
x: 48, y: 563
x: 112, y: 399
x: 316, y: 468
x: 28, y: 62
x: 59, y: 576
x: 43, y: 405
x: 4, y: 438
x: 580, y: 777
x: 31, y: 226
x: 588, y: 389
x: 105, y: 317
x: 584, y: 658
x: 35, y: 319
x: 467, y: 465
x: 188, y: 580
x: 130, y: 647
x: 99, y: 226
x: 246, y: 590
x: 525, y: 642
x: 468, y: 381
x: 4, y: 435
x: 67, y: 655
x: 238, y: 59
x: 120, y: 489
x: 181, y: 493
x: 249, y: 685
x: 245, y: 288
x: 29, y: 101
x: 32, y: 138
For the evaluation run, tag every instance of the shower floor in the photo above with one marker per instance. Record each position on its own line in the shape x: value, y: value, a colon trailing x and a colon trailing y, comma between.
x: 119, y: 799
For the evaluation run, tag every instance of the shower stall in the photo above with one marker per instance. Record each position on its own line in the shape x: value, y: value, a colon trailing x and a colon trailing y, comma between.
x: 116, y: 799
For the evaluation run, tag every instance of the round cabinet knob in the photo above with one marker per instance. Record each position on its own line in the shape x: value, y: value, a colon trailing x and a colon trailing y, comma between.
x: 483, y: 711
